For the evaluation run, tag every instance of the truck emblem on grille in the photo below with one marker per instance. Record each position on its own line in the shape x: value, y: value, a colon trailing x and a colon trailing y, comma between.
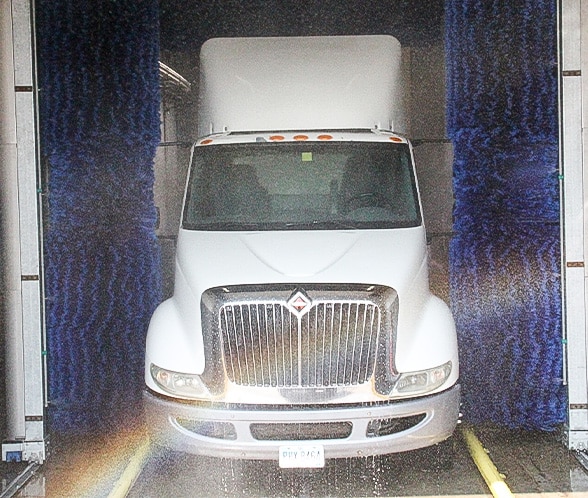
x: 299, y: 303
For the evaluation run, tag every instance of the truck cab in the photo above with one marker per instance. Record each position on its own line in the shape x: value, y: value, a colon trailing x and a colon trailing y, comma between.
x: 302, y: 326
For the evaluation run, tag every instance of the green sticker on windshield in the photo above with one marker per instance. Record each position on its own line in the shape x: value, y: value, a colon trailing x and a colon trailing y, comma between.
x: 306, y: 156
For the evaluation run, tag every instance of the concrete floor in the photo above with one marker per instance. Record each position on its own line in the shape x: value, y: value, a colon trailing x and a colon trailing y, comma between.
x: 533, y: 463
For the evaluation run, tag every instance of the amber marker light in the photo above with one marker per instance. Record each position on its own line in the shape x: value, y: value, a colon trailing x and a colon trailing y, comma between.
x: 396, y: 139
x: 276, y: 138
x: 206, y: 142
x: 325, y: 137
x: 300, y: 137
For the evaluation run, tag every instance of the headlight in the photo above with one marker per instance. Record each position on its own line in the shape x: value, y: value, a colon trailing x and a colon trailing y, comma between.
x: 423, y: 381
x: 180, y: 384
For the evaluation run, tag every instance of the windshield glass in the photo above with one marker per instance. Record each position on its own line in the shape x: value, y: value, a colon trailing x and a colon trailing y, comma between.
x: 301, y: 186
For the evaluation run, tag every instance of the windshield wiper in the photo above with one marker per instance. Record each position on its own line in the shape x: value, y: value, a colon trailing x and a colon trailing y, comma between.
x: 320, y: 225
x: 227, y: 225
x: 246, y: 226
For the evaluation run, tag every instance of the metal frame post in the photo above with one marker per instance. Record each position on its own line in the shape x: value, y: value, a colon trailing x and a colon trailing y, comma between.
x: 21, y: 237
x: 573, y: 147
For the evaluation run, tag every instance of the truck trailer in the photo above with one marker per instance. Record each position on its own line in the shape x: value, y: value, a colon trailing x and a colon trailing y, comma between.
x: 302, y: 326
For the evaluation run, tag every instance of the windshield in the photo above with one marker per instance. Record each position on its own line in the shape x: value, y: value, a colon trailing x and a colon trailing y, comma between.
x: 301, y: 186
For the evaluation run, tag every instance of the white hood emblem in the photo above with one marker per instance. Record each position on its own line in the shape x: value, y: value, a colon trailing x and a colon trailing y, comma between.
x: 299, y: 303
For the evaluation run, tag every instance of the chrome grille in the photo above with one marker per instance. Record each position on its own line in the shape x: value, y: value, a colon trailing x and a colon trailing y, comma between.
x: 265, y: 344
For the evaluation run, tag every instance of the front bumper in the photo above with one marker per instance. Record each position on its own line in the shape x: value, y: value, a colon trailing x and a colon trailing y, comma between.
x: 234, y: 433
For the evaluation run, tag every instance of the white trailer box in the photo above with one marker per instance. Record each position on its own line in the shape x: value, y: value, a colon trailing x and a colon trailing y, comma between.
x: 312, y: 83
x: 301, y: 326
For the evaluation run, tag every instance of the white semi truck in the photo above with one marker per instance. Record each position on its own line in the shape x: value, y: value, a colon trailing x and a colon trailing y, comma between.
x: 301, y: 326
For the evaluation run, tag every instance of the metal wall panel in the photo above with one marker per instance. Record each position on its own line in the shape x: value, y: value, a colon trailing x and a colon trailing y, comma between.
x: 573, y: 189
x: 32, y: 342
x: 27, y: 183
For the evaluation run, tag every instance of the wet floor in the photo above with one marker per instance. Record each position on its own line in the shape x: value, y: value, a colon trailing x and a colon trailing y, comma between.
x: 533, y: 463
x: 406, y: 475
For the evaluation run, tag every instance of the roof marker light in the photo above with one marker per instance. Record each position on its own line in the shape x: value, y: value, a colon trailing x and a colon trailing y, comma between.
x: 206, y: 142
x: 325, y: 137
x: 396, y: 139
x: 300, y: 137
x: 276, y: 137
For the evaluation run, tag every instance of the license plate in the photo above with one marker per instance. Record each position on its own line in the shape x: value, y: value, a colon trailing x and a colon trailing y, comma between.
x: 302, y: 456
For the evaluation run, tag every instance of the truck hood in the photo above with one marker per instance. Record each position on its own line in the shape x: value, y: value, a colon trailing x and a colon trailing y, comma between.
x: 390, y: 257
x: 295, y: 256
x: 395, y: 258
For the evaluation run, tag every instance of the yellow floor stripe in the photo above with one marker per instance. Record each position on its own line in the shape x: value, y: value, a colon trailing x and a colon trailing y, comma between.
x: 133, y: 469
x: 493, y: 478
